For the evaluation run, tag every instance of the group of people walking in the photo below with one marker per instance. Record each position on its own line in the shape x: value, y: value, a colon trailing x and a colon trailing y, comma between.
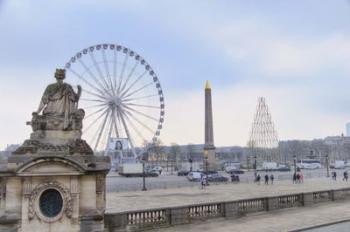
x: 298, y: 178
x: 267, y: 178
x: 345, y: 176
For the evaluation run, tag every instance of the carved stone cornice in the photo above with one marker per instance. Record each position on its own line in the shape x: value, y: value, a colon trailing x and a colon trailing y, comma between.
x: 35, y: 146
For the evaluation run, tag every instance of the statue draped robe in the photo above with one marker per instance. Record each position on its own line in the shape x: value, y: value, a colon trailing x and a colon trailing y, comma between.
x: 59, y: 100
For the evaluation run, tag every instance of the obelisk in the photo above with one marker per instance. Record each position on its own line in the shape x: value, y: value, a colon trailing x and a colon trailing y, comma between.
x: 209, y: 148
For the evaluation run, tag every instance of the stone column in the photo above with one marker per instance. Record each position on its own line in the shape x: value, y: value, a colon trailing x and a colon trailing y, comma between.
x: 100, y: 192
x: 74, y: 188
x: 179, y: 215
x: 14, y: 196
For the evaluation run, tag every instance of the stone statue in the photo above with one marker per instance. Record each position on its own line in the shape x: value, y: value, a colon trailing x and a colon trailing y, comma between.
x: 59, y: 107
x: 57, y: 123
x: 59, y: 99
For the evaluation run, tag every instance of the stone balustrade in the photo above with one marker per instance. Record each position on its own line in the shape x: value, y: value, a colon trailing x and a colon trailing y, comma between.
x: 165, y: 217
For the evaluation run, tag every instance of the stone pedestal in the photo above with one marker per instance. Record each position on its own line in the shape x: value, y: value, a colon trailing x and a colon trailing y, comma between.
x: 53, y: 182
x: 210, y: 162
x: 50, y: 192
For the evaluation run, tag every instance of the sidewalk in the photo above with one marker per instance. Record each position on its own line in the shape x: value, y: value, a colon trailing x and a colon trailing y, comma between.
x: 276, y: 221
x: 162, y: 198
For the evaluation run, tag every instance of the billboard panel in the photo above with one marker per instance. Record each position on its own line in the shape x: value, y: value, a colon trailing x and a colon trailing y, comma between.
x: 118, y: 144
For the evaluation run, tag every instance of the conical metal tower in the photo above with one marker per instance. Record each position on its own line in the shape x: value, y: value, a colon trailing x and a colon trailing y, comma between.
x: 263, y: 140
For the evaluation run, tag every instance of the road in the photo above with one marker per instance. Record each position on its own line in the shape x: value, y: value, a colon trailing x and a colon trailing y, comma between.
x: 335, y: 227
x: 116, y: 183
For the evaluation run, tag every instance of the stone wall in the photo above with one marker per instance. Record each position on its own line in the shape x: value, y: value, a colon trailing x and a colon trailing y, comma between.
x: 165, y: 217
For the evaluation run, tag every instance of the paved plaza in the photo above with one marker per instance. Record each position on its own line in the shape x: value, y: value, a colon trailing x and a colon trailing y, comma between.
x: 162, y: 198
x: 276, y: 221
x: 116, y: 183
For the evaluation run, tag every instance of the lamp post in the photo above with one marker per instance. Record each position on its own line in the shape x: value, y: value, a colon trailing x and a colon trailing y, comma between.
x: 205, y: 160
x: 206, y: 166
x: 327, y: 165
x: 248, y: 162
x: 295, y: 163
x: 255, y: 163
x: 190, y: 160
x: 143, y: 173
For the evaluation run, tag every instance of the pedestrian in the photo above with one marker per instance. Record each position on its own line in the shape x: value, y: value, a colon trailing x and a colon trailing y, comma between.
x: 335, y: 176
x: 266, y: 179
x: 233, y: 177
x: 301, y: 177
x: 345, y: 176
x: 272, y: 178
x: 298, y: 178
x: 202, y: 181
x: 206, y: 183
x: 294, y: 178
x: 258, y: 177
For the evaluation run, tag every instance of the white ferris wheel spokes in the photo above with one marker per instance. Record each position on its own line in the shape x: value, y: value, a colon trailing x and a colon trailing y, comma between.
x: 122, y: 96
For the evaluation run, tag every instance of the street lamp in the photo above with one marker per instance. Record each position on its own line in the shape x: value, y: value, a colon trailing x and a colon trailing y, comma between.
x: 248, y: 162
x: 190, y: 160
x: 295, y: 163
x: 205, y: 160
x: 327, y: 165
x: 143, y: 173
x: 255, y: 163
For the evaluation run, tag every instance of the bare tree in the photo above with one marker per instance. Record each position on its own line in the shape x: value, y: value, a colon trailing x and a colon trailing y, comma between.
x: 156, y: 149
x: 174, y: 155
x: 190, y: 154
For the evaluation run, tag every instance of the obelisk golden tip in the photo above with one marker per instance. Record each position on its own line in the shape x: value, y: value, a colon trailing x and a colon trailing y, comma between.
x: 207, y: 85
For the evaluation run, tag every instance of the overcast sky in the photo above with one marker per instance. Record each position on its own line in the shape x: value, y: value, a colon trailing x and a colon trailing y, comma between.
x: 294, y: 53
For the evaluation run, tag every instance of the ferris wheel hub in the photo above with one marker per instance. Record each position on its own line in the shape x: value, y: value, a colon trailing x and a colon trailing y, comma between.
x: 115, y: 102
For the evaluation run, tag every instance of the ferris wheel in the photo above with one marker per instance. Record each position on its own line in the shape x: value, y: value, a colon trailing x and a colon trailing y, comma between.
x: 122, y: 96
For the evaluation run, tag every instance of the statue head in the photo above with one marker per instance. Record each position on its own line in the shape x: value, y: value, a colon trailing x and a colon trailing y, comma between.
x: 60, y: 74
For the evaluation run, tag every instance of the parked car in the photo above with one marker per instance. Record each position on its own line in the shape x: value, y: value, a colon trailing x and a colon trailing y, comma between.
x: 236, y: 171
x: 158, y: 169
x: 183, y: 173
x: 284, y: 169
x: 209, y: 172
x: 151, y: 173
x: 217, y: 178
x: 194, y: 176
